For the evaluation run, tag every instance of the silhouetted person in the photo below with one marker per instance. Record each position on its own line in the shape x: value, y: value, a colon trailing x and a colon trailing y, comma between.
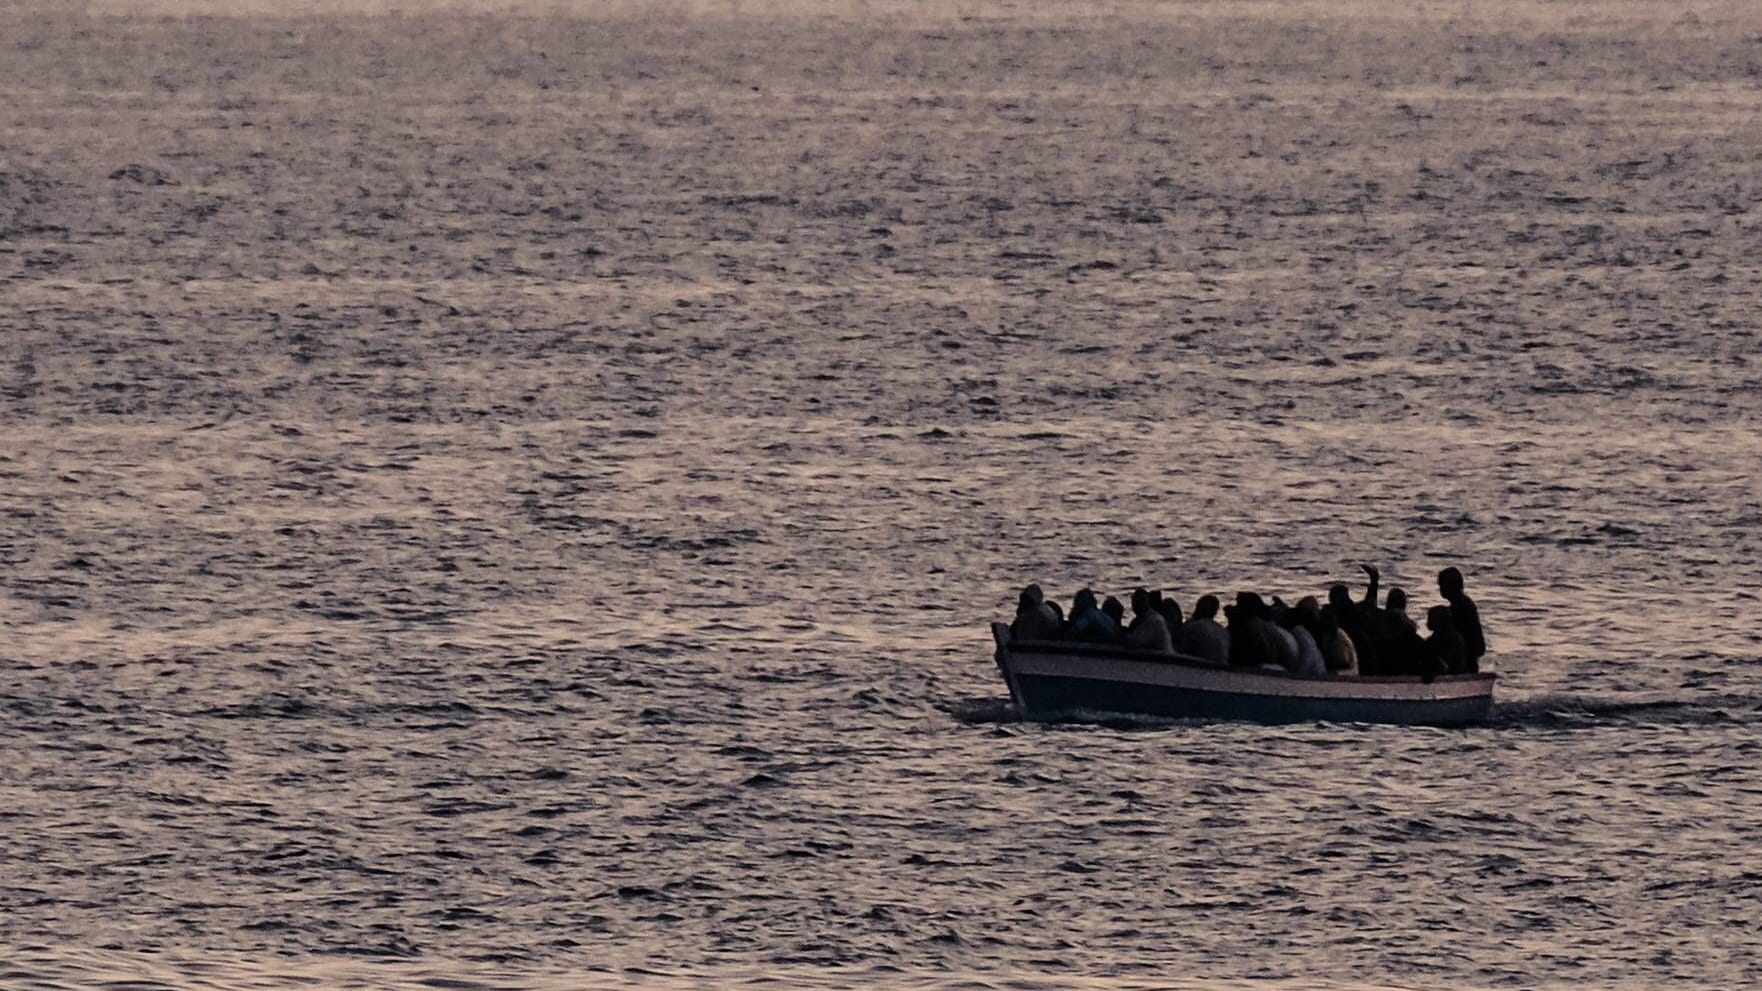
x: 1088, y: 623
x: 1351, y: 621
x: 1396, y: 610
x: 1035, y: 619
x: 1303, y: 621
x: 1202, y: 636
x: 1385, y: 638
x: 1399, y: 645
x: 1169, y: 610
x: 1253, y: 640
x: 1285, y: 650
x: 1445, y: 643
x: 1116, y: 611
x: 1149, y: 631
x: 1466, y: 616
x: 1400, y: 649
x: 1338, y: 651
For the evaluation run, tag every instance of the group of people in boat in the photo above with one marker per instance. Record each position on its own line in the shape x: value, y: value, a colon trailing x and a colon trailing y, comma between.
x: 1342, y: 636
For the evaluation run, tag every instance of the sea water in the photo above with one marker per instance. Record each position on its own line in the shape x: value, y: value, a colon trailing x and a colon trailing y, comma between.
x: 513, y: 497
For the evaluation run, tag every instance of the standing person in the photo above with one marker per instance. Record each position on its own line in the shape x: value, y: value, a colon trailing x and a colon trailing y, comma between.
x: 1465, y: 614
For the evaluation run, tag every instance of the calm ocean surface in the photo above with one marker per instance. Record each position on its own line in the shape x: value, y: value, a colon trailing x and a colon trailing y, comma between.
x: 504, y: 501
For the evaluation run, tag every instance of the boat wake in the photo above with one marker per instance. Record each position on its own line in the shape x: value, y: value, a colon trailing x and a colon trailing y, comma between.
x: 1558, y: 711
x: 1574, y: 711
x: 979, y: 711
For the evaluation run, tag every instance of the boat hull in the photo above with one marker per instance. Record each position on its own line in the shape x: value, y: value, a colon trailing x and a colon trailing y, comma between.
x: 1051, y: 681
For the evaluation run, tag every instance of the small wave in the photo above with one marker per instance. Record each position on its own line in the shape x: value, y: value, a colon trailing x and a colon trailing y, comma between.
x: 980, y: 711
x: 1575, y: 711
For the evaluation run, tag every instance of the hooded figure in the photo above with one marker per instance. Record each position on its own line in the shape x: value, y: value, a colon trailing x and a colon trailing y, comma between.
x: 1035, y: 620
x: 1088, y: 623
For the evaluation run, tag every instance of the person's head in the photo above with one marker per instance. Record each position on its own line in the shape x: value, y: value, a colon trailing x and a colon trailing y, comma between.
x: 1170, y: 610
x: 1438, y: 618
x: 1032, y: 595
x: 1249, y: 605
x: 1206, y: 607
x: 1114, y: 609
x: 1057, y: 610
x: 1397, y: 600
x: 1309, y: 604
x: 1450, y: 582
x: 1340, y: 597
x: 1140, y: 601
x: 1083, y: 601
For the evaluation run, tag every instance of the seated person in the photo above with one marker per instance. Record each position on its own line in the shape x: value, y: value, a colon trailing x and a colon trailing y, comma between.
x: 1169, y: 610
x: 1285, y: 648
x: 1088, y: 623
x: 1338, y: 652
x: 1405, y: 653
x: 1035, y: 619
x: 1396, y: 611
x: 1254, y: 640
x: 1352, y: 621
x: 1115, y: 611
x: 1303, y: 622
x: 1203, y: 636
x: 1149, y: 631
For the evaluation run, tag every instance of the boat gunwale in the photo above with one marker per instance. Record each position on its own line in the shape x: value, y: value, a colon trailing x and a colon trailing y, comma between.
x: 1007, y: 643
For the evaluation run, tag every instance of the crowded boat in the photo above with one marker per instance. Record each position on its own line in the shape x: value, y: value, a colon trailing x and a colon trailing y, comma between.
x: 1341, y: 636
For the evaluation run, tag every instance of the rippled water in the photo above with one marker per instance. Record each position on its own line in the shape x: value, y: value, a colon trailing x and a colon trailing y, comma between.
x: 513, y: 501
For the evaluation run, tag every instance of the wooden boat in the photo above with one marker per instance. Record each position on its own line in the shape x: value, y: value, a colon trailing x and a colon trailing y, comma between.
x: 1052, y: 680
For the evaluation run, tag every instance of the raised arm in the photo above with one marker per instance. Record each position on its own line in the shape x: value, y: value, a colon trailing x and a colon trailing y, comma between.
x: 1370, y: 590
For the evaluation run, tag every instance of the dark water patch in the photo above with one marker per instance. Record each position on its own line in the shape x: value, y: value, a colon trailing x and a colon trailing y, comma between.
x: 275, y: 705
